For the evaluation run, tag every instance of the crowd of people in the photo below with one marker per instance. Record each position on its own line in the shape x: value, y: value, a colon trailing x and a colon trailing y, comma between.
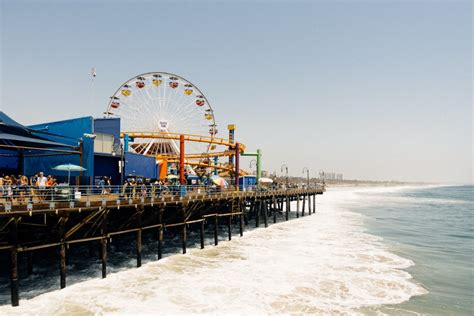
x: 24, y: 189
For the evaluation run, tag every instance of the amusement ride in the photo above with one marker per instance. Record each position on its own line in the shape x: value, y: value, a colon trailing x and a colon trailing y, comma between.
x: 164, y: 115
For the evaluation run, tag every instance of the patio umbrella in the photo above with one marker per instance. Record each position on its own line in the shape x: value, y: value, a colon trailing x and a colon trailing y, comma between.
x: 265, y: 180
x: 219, y: 181
x: 69, y: 167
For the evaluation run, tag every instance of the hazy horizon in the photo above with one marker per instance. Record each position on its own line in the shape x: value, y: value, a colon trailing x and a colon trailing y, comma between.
x: 376, y: 91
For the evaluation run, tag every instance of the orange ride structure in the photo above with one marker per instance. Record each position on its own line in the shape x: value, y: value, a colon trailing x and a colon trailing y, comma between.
x: 168, y: 117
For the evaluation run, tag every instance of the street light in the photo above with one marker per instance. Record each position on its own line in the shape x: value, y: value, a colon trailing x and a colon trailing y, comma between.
x: 307, y: 174
x: 321, y: 175
x: 286, y: 171
x: 255, y: 163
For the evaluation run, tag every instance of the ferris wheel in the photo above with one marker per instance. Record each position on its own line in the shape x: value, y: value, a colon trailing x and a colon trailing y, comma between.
x: 166, y: 104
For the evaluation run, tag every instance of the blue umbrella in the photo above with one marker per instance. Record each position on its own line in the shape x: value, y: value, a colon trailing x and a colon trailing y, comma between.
x: 69, y: 167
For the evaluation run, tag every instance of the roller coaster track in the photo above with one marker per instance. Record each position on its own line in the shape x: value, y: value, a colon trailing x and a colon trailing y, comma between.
x: 187, y: 137
x: 193, y: 138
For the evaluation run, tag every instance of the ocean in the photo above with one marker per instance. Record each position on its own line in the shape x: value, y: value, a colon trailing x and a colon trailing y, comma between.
x: 382, y: 250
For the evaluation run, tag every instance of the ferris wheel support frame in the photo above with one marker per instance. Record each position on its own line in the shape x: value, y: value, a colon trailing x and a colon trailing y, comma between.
x: 182, y: 181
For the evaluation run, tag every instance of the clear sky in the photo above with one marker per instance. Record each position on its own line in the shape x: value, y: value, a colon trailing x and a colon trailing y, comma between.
x: 374, y: 90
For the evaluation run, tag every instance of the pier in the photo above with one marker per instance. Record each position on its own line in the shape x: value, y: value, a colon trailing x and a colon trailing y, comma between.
x: 111, y: 177
x: 97, y: 219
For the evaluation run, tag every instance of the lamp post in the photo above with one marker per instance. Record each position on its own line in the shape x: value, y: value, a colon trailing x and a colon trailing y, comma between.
x: 284, y: 166
x: 256, y: 171
x: 321, y: 175
x: 252, y: 161
x: 307, y: 174
x: 122, y: 164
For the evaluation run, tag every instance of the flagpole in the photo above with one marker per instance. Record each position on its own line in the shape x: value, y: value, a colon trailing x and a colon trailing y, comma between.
x: 93, y: 74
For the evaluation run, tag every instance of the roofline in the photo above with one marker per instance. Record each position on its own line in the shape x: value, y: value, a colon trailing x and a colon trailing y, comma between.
x: 60, y: 121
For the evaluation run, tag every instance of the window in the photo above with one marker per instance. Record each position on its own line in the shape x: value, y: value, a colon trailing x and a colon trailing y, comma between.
x: 104, y: 143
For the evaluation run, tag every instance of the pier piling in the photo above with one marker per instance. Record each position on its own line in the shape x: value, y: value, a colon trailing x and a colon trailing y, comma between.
x: 265, y: 212
x: 184, y: 238
x: 103, y: 245
x: 309, y: 204
x: 297, y: 206
x: 314, y: 203
x: 216, y: 225
x: 273, y: 207
x: 257, y: 212
x: 160, y: 242
x: 14, y: 262
x: 304, y: 202
x: 229, y: 227
x: 62, y: 253
x: 139, y: 238
x: 201, y: 226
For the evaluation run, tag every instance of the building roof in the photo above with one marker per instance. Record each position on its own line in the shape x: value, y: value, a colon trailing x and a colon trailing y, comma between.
x: 15, y: 136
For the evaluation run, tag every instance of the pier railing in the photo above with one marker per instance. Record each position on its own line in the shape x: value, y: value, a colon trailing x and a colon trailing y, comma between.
x: 29, y: 196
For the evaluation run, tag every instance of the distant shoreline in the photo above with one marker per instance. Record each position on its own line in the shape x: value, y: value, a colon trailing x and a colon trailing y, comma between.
x: 366, y: 183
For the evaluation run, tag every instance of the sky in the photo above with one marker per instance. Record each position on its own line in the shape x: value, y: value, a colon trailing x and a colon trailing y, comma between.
x: 374, y: 90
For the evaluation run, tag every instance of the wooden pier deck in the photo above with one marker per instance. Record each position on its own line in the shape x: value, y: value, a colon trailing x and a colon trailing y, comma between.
x: 41, y: 225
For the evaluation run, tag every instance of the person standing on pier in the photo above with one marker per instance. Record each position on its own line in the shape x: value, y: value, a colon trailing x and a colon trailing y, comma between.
x: 41, y: 184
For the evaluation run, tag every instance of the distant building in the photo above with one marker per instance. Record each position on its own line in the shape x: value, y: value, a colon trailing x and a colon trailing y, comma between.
x: 331, y: 176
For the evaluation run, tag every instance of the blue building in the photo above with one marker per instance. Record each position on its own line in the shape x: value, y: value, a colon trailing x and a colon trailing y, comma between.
x: 247, y: 182
x: 93, y: 144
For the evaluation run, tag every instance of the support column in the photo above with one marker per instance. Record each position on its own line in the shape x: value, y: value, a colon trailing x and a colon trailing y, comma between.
x: 314, y: 203
x: 259, y: 165
x: 160, y: 234
x: 257, y: 213
x: 160, y: 242
x: 304, y: 201
x: 287, y: 213
x: 297, y: 206
x: 184, y: 238
x: 309, y: 204
x: 202, y: 234
x: 229, y: 227
x: 274, y: 210
x: 139, y: 238
x: 62, y: 253
x: 242, y: 216
x: 182, y: 180
x: 237, y: 165
x: 244, y: 210
x: 265, y: 213
x: 103, y: 244
x: 216, y: 225
x: 14, y: 263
